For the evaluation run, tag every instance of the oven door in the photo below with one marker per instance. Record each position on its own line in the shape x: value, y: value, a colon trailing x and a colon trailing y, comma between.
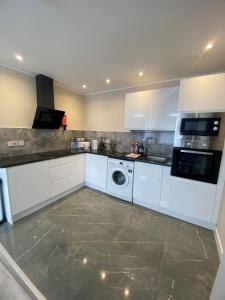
x: 201, y: 165
x: 200, y: 126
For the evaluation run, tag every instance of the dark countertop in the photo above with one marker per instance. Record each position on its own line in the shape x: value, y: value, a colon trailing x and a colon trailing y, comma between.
x: 12, y: 161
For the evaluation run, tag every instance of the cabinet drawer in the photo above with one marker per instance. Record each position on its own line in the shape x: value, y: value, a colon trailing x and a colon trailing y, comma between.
x: 63, y: 185
x: 62, y: 171
x: 65, y: 160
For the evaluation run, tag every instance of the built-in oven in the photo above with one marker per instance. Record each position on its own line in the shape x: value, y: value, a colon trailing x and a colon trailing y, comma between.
x: 200, y: 126
x: 196, y: 164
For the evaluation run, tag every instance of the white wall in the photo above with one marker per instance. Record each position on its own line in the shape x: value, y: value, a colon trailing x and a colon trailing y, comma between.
x: 105, y: 111
x: 72, y: 104
x: 18, y: 101
x: 17, y: 98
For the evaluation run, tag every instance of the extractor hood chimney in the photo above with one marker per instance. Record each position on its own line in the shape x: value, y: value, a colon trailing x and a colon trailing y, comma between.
x: 46, y: 117
x: 45, y: 92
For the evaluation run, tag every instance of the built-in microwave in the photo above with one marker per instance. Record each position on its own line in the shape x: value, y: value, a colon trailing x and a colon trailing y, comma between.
x: 200, y: 126
x: 196, y: 164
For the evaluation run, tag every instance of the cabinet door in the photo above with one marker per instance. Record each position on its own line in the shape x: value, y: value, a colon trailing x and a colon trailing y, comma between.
x: 136, y: 110
x: 163, y: 108
x: 29, y: 185
x: 188, y: 197
x: 202, y: 94
x: 147, y: 184
x: 96, y: 171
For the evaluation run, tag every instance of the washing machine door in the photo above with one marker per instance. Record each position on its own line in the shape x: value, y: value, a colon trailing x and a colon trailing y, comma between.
x: 120, y: 178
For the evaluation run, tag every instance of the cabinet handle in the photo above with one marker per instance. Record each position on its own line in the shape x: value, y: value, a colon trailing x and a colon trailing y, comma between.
x: 197, y: 152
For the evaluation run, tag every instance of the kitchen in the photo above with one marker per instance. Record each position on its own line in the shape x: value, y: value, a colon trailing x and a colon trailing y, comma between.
x: 122, y: 198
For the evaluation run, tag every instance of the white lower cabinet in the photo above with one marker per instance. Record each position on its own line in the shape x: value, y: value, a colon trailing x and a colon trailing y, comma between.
x: 96, y: 171
x: 190, y: 198
x: 147, y: 184
x: 66, y: 173
x: 29, y: 185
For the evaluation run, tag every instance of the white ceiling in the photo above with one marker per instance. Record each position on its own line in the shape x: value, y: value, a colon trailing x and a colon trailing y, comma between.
x: 87, y: 41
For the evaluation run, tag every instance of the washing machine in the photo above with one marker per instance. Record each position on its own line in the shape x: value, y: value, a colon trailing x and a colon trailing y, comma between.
x: 120, y: 178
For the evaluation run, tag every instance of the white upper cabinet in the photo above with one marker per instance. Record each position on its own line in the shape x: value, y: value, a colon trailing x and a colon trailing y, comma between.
x: 153, y: 110
x: 136, y: 110
x: 202, y: 94
x: 163, y: 108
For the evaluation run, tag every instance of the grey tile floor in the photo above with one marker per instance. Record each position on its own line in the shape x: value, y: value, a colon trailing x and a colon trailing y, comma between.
x: 91, y: 246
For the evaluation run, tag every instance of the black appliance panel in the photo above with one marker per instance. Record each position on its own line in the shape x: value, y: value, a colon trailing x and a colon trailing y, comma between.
x: 200, y: 126
x: 46, y: 118
x: 201, y: 165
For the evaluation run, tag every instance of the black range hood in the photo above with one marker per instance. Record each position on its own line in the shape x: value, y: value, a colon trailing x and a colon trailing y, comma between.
x: 46, y: 116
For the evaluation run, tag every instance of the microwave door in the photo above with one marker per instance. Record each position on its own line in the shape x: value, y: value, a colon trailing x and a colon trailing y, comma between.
x: 200, y: 126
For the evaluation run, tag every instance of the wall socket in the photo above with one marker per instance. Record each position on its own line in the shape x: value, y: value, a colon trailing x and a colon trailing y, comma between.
x: 15, y: 143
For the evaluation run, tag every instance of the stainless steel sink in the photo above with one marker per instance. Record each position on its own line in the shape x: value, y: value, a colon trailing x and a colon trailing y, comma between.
x: 156, y: 158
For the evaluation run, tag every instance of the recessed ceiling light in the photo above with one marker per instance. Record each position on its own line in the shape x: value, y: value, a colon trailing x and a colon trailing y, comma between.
x: 126, y: 292
x: 107, y: 80
x: 140, y: 74
x: 209, y: 46
x: 19, y: 57
x: 84, y: 86
x: 84, y: 260
x: 103, y: 275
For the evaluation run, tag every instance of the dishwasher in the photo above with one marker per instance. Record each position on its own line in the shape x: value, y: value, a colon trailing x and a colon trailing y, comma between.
x: 2, y: 208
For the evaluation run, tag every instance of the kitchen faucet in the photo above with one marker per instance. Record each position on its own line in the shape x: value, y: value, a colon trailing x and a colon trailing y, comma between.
x: 148, y: 141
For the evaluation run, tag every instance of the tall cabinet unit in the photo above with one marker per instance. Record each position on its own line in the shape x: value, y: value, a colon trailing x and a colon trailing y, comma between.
x: 152, y: 110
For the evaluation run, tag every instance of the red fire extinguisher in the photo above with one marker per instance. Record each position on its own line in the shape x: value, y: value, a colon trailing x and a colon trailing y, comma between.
x: 64, y: 122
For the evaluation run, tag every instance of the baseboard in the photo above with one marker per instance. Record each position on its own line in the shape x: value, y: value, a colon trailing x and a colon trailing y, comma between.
x: 218, y: 243
x: 176, y: 215
x: 95, y: 187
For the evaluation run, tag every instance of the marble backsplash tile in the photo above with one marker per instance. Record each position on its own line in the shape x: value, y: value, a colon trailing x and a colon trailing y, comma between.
x: 163, y: 145
x: 35, y: 140
x: 40, y: 140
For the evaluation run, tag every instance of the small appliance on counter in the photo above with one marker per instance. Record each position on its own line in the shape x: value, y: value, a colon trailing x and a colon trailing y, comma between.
x: 94, y: 144
x: 80, y: 143
x: 198, y: 144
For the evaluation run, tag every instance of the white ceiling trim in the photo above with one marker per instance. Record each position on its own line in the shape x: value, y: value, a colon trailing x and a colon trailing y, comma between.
x: 63, y: 86
x: 132, y: 86
x: 18, y: 70
x: 149, y: 83
x: 175, y: 80
x: 56, y: 83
